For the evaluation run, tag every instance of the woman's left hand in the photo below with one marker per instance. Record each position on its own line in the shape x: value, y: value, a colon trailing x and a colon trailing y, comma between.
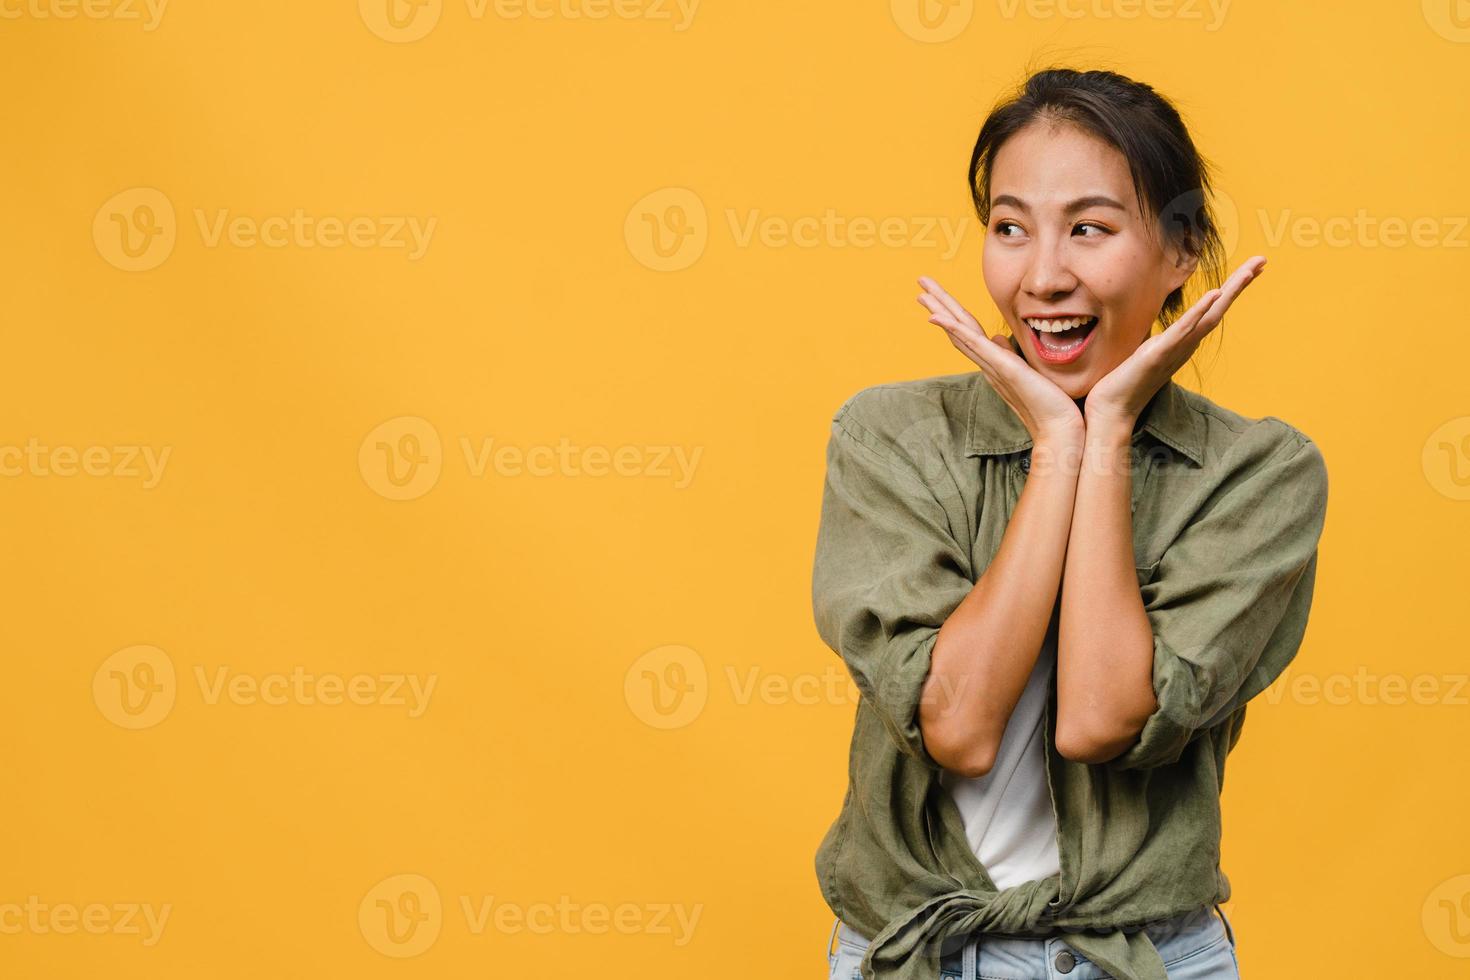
x: 1123, y: 392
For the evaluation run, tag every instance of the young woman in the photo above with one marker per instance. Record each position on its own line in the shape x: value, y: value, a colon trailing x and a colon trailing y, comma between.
x: 1058, y: 580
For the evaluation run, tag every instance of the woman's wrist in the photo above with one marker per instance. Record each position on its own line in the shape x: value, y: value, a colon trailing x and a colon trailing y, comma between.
x: 1112, y: 430
x: 1058, y: 449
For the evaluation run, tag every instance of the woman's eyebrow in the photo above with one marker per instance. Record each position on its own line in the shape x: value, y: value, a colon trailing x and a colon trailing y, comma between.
x: 1081, y: 204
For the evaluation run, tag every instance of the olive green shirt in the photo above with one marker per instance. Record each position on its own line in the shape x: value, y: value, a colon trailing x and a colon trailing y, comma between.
x: 922, y: 479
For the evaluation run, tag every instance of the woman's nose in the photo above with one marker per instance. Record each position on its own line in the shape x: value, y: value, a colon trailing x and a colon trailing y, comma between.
x: 1048, y: 273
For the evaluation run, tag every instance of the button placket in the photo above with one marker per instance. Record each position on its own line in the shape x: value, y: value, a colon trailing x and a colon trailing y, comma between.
x: 1144, y: 460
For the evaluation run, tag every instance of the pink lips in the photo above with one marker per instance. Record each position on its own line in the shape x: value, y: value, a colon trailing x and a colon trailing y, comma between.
x: 1052, y: 357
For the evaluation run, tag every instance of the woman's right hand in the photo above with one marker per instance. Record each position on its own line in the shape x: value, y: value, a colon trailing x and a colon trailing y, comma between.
x: 1047, y: 411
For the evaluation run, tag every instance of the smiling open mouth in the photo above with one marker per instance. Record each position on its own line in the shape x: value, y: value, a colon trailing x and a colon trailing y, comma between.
x: 1062, y: 332
x: 1061, y: 336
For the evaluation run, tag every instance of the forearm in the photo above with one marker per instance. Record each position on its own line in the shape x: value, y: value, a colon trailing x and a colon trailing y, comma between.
x: 988, y: 646
x: 1105, y: 642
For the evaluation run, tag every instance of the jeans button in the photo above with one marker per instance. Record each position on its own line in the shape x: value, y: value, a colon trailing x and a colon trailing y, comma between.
x: 1065, y: 961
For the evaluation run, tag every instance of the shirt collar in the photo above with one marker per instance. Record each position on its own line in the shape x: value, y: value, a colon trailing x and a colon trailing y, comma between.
x: 995, y: 429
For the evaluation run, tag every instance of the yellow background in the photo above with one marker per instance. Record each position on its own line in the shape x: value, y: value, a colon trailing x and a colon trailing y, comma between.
x: 543, y: 313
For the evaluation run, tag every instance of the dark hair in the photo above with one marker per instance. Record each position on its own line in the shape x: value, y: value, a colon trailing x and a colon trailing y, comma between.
x: 1170, y: 177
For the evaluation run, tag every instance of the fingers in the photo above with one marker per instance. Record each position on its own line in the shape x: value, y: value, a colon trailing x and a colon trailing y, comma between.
x: 963, y: 331
x: 947, y: 301
x: 975, y: 348
x: 1249, y: 270
x: 1192, y: 315
x: 1237, y: 282
x: 1207, y: 313
x: 943, y: 318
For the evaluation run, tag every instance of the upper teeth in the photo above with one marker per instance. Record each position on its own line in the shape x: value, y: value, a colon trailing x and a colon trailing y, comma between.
x: 1056, y: 325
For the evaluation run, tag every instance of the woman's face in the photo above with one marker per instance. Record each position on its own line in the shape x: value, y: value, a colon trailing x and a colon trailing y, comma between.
x: 1066, y: 237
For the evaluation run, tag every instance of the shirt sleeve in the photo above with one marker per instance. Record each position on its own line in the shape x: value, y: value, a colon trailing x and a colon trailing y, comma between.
x: 887, y: 573
x: 1228, y: 603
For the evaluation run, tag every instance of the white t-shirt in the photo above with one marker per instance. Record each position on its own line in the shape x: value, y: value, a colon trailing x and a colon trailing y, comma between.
x: 1007, y: 812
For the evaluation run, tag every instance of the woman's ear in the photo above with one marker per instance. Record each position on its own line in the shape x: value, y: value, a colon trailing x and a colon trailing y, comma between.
x: 1181, y: 266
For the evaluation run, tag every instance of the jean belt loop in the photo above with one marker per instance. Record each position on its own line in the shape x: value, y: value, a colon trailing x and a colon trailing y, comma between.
x: 970, y: 968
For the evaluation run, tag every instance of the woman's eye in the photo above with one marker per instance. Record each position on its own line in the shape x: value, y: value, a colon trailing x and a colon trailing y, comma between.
x: 1001, y: 226
x: 1098, y: 228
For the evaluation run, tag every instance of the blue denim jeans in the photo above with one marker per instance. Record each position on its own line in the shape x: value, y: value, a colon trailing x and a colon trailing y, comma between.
x: 1198, y: 945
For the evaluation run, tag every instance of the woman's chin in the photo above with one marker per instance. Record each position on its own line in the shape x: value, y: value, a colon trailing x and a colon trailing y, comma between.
x: 1075, y: 387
